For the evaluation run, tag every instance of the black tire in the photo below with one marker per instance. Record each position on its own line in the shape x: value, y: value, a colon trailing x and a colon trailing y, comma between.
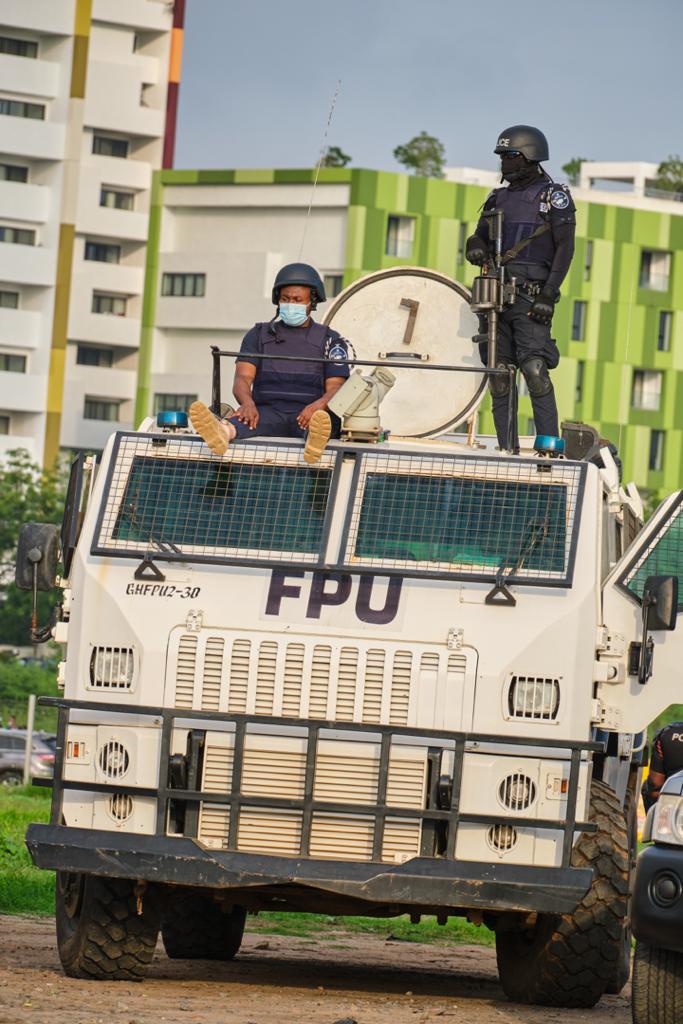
x: 100, y: 934
x: 622, y: 970
x: 11, y: 778
x: 657, y: 996
x: 569, y: 960
x: 195, y: 927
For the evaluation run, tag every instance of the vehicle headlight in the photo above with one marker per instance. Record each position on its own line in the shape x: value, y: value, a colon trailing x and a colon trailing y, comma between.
x: 667, y: 826
x: 111, y: 668
x: 530, y: 697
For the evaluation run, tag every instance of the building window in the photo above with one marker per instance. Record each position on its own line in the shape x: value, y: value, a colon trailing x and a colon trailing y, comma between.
x: 173, y: 403
x: 185, y: 285
x: 17, y: 236
x: 655, y: 268
x: 12, y: 172
x: 333, y: 284
x: 9, y: 300
x: 656, y: 460
x: 4, y: 424
x: 578, y: 386
x: 400, y: 237
x: 664, y: 331
x: 102, y: 252
x: 588, y: 261
x: 103, y: 145
x: 106, y: 409
x: 18, y: 47
x: 117, y: 199
x: 579, y: 321
x: 462, y: 241
x: 11, y: 363
x: 114, y: 305
x: 647, y: 390
x: 21, y: 108
x: 91, y: 355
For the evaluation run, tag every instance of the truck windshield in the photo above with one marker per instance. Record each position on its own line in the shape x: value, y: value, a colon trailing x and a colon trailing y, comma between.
x: 472, y: 525
x: 228, y: 506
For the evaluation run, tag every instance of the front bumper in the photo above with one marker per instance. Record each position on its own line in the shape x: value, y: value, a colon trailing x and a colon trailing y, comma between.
x: 658, y: 921
x: 420, y: 882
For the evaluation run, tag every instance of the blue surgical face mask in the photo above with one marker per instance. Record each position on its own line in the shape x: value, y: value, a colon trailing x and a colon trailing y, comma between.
x: 294, y: 314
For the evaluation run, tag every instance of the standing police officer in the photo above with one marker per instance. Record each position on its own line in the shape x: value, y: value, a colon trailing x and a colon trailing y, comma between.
x: 667, y: 758
x: 539, y: 219
x: 283, y: 399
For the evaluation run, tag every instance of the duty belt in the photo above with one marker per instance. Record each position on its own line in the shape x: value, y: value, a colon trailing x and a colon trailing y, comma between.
x: 530, y: 288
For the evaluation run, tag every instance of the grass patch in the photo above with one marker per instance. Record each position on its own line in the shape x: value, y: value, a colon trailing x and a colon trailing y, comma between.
x: 23, y: 888
x: 322, y: 926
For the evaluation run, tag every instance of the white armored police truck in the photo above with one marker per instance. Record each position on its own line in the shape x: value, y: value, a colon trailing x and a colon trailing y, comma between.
x: 412, y: 678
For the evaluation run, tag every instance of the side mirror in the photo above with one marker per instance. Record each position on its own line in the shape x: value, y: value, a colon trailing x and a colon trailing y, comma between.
x: 660, y: 602
x: 37, y: 553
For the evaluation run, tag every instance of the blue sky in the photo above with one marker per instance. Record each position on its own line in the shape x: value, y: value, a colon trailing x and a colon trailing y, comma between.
x: 601, y: 78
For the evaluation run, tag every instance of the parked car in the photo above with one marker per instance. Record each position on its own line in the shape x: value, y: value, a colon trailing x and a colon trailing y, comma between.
x: 657, y: 912
x: 12, y: 752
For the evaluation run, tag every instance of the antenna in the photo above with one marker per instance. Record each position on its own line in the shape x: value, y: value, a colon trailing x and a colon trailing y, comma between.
x: 320, y: 161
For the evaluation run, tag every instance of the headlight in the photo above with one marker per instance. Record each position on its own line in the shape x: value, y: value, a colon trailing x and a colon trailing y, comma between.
x: 529, y: 697
x: 111, y: 668
x: 668, y: 821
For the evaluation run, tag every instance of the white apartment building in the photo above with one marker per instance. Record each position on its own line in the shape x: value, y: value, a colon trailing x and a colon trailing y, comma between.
x: 83, y: 96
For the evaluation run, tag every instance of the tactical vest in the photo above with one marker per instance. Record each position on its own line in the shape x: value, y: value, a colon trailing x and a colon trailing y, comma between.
x: 278, y: 383
x: 523, y: 212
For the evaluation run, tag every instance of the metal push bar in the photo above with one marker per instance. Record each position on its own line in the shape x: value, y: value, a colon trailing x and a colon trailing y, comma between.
x: 451, y: 817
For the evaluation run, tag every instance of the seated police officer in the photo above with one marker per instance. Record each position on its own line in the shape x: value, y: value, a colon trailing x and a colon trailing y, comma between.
x: 283, y: 399
x: 667, y: 759
x: 539, y: 220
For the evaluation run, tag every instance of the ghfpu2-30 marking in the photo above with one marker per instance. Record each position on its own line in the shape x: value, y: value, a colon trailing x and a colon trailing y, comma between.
x: 162, y: 590
x: 327, y: 589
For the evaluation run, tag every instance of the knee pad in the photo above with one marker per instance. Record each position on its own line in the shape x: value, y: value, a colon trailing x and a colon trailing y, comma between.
x: 499, y: 385
x: 536, y: 376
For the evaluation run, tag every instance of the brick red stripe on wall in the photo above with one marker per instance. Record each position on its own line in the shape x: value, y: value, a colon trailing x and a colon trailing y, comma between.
x: 179, y: 14
x: 170, y: 128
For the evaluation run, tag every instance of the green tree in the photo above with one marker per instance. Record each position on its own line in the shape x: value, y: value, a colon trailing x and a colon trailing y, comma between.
x: 28, y: 493
x: 670, y: 174
x: 335, y: 157
x: 573, y: 169
x: 424, y: 154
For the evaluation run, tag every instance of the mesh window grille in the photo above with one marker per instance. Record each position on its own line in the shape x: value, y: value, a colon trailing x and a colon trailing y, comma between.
x: 257, y: 503
x: 465, y: 516
x: 663, y: 555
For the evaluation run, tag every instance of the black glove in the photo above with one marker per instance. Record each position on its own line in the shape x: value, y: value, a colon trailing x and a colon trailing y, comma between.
x: 476, y: 251
x: 544, y: 306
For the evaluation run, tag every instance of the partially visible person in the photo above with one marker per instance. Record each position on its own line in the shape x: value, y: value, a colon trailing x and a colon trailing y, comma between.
x: 12, y: 722
x: 282, y: 398
x: 666, y: 760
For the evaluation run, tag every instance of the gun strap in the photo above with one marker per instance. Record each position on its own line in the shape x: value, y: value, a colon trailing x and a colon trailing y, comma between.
x: 514, y: 252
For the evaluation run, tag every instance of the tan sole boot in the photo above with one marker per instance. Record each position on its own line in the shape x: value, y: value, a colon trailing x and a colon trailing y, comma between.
x: 213, y: 432
x: 319, y: 430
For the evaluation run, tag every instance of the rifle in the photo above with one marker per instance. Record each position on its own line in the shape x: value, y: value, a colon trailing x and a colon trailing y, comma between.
x: 491, y: 292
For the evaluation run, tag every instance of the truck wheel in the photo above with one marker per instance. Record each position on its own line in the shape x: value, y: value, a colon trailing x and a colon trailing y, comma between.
x: 657, y: 985
x: 569, y: 960
x: 194, y: 927
x: 623, y: 964
x: 100, y: 933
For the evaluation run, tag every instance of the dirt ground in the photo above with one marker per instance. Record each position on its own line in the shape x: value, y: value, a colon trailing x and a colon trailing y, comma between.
x: 276, y: 980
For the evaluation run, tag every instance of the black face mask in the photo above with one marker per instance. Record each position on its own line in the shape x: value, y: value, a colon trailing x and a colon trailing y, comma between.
x: 514, y: 167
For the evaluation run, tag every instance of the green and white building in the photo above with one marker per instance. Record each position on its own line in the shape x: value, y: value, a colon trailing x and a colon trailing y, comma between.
x: 217, y: 238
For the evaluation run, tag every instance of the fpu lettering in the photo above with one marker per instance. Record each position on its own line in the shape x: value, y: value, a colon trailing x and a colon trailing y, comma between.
x: 329, y: 589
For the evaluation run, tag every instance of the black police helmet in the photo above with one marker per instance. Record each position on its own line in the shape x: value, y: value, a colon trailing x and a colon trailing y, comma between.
x: 299, y: 273
x: 528, y: 141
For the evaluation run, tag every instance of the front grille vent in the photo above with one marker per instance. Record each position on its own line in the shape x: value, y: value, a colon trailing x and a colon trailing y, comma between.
x: 113, y: 759
x: 121, y: 807
x: 346, y: 772
x: 502, y: 838
x: 517, y: 791
x: 333, y: 682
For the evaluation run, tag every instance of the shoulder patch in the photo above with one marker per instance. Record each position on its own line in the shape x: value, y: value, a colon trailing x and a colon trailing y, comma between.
x: 559, y: 199
x: 337, y: 349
